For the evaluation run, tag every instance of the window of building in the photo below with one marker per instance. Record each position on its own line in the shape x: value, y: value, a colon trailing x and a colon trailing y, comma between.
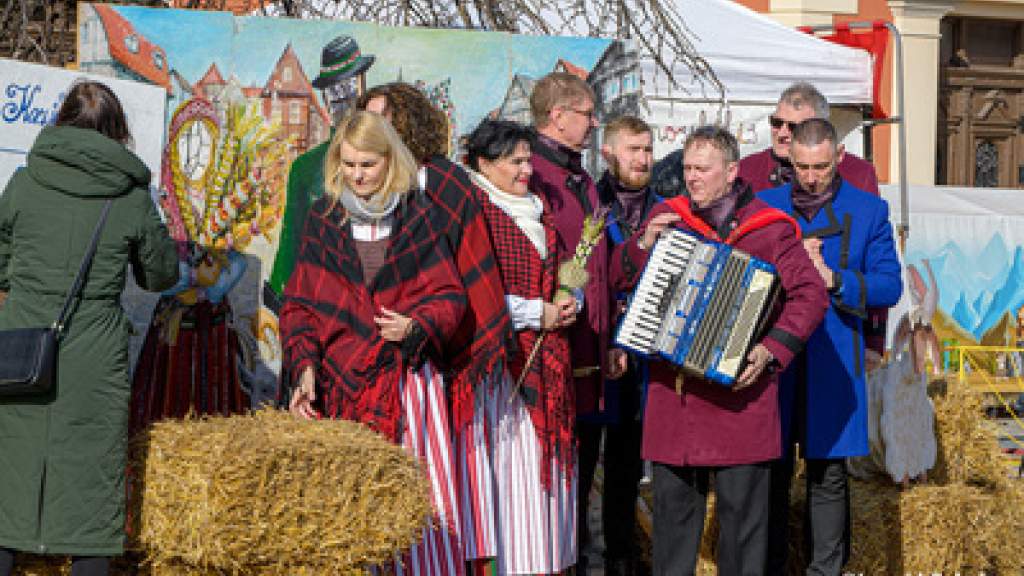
x: 986, y: 164
x: 295, y: 112
x: 131, y: 42
x: 158, y: 60
x: 286, y: 74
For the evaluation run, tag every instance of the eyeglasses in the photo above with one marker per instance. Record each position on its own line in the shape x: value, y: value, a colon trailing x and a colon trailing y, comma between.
x: 588, y: 113
x: 777, y: 123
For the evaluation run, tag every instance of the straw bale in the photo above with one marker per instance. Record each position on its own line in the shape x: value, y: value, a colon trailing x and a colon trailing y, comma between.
x: 272, y: 494
x: 968, y: 450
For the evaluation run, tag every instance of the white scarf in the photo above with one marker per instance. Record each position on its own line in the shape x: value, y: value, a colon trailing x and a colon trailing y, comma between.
x: 525, y: 211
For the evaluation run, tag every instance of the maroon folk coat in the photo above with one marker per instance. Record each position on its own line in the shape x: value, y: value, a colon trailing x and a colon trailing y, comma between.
x: 553, y: 170
x: 756, y: 170
x: 708, y: 424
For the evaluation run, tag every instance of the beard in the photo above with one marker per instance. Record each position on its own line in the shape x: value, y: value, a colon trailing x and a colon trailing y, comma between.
x: 629, y: 180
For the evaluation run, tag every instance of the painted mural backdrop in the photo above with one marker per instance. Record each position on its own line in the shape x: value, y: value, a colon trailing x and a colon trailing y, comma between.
x: 241, y: 107
x: 964, y: 271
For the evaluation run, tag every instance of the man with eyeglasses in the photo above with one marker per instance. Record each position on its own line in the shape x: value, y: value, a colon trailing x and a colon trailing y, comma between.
x: 822, y: 395
x: 562, y: 106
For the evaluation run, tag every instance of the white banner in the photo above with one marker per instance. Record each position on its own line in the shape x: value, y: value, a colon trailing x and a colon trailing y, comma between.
x: 31, y: 95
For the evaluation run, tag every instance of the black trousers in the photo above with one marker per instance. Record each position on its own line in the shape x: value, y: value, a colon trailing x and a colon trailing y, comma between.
x: 623, y: 469
x: 680, y: 504
x: 80, y: 565
x: 826, y: 519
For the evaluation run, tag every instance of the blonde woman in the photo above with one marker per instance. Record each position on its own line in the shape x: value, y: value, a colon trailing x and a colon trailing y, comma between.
x: 371, y: 299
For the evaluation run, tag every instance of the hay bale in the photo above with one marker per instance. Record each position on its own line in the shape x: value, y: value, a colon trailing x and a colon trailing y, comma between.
x: 272, y: 494
x: 968, y: 450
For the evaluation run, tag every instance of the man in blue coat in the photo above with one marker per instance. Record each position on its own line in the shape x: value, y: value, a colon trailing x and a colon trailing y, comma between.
x: 823, y: 401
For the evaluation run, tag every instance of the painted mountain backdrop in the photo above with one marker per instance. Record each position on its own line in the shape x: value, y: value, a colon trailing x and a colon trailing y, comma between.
x: 977, y: 290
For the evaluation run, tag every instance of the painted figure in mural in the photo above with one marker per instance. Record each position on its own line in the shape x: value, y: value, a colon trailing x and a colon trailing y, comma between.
x: 341, y: 80
x: 824, y: 403
x: 694, y: 427
x: 915, y: 329
x: 524, y: 456
x: 372, y: 298
x: 624, y: 190
x: 564, y: 115
x: 476, y: 354
x: 62, y: 488
x: 221, y: 187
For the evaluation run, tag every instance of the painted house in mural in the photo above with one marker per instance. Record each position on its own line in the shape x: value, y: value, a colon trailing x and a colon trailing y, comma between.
x: 287, y: 97
x: 615, y: 80
x: 110, y: 45
x: 516, y: 104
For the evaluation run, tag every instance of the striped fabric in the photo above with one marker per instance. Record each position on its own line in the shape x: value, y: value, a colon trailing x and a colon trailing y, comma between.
x: 427, y: 437
x: 534, y: 529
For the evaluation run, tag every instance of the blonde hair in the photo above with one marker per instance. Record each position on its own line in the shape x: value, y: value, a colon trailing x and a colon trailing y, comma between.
x: 630, y: 124
x: 555, y: 90
x: 369, y: 132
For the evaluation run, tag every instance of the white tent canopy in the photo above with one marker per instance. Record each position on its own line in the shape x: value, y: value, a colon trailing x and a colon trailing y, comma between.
x: 756, y: 58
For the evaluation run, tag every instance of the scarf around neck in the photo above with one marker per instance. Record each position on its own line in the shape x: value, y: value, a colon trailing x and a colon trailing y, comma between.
x: 807, y: 204
x: 525, y: 211
x: 368, y: 212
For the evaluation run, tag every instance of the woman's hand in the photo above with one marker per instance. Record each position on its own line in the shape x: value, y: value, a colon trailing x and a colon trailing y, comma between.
x: 393, y: 326
x: 304, y: 395
x: 558, y: 315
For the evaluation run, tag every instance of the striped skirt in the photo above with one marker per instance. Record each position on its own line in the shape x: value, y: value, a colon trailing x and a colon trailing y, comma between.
x: 427, y: 437
x: 508, y: 513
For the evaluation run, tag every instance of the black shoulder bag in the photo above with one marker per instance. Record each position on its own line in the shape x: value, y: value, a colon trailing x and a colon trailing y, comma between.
x: 28, y: 356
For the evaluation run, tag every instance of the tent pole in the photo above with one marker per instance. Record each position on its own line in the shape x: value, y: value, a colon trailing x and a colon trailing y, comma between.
x: 903, y: 228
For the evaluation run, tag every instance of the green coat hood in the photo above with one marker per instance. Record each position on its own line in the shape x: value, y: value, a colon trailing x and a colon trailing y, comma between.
x: 84, y: 163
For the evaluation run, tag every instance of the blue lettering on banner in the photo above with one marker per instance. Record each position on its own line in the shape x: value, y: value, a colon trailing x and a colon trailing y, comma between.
x: 20, y: 106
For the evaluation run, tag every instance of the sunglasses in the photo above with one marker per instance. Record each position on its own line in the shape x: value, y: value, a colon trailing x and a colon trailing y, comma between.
x: 777, y: 123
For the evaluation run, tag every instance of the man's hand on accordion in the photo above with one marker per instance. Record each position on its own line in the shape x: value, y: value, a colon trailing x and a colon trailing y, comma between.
x: 655, y: 227
x: 758, y: 360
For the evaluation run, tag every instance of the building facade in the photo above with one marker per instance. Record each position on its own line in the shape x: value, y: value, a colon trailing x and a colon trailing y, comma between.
x: 963, y: 72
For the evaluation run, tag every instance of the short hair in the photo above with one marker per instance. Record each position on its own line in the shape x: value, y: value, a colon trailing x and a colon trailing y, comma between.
x: 554, y: 90
x: 716, y: 136
x: 814, y: 131
x: 94, y: 106
x: 369, y: 132
x: 422, y: 126
x: 630, y: 124
x: 805, y: 94
x: 493, y: 139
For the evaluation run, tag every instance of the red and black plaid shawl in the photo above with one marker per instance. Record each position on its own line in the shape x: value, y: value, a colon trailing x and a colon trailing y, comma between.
x: 548, y: 387
x: 477, y: 348
x: 327, y: 317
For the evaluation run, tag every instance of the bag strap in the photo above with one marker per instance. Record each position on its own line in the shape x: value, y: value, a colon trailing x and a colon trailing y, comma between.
x: 76, y: 288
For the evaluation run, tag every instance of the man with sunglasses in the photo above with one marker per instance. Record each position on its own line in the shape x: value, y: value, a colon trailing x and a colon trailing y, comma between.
x: 772, y: 167
x: 847, y: 234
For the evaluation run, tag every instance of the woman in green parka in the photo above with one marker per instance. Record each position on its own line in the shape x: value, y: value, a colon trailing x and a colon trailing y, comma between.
x: 62, y: 456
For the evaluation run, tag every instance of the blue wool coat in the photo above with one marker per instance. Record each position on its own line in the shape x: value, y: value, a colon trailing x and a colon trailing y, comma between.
x: 822, y: 395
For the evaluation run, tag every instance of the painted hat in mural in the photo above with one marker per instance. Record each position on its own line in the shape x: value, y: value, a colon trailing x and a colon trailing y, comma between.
x: 341, y: 59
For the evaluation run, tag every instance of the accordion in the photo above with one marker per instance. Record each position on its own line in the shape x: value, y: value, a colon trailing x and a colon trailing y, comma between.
x: 700, y: 305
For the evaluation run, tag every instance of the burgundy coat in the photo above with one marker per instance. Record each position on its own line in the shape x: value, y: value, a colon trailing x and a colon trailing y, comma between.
x: 756, y: 170
x: 708, y: 424
x: 552, y: 171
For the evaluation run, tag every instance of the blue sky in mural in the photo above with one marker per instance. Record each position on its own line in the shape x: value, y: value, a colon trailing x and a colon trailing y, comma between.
x: 480, y: 64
